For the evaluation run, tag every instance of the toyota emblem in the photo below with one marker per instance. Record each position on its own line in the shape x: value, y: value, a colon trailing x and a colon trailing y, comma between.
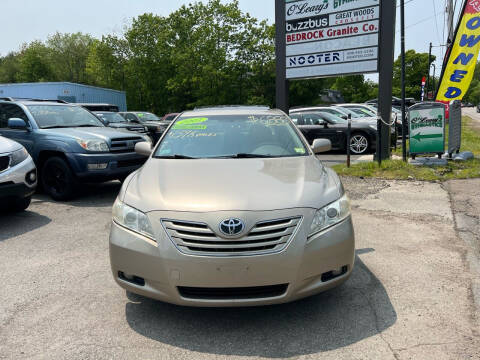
x: 232, y: 227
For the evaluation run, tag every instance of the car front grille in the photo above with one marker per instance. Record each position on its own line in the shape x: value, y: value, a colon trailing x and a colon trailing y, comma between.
x: 137, y: 129
x: 198, y: 238
x: 4, y: 162
x: 240, y: 293
x: 124, y: 144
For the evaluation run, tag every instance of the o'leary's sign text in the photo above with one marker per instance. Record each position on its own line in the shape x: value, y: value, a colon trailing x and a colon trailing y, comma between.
x: 331, y: 37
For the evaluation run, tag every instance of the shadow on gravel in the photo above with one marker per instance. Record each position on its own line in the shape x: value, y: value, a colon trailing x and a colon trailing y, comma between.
x: 356, y: 310
x: 12, y: 225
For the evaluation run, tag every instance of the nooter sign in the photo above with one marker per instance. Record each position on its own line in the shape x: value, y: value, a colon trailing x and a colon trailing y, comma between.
x: 427, y: 128
x: 331, y: 37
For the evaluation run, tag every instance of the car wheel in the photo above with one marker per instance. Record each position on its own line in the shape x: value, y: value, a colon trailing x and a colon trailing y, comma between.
x: 57, y: 179
x: 21, y: 204
x: 359, y: 144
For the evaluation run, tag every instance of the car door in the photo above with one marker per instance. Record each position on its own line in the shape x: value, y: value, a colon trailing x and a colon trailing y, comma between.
x: 24, y: 137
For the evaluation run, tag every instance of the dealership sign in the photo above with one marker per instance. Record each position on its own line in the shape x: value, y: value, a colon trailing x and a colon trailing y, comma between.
x: 427, y: 128
x: 331, y: 37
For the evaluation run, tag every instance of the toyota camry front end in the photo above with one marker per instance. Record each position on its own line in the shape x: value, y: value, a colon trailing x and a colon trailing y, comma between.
x: 232, y: 209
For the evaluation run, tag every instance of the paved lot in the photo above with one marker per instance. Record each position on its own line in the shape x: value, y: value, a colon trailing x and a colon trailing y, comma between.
x: 412, y: 294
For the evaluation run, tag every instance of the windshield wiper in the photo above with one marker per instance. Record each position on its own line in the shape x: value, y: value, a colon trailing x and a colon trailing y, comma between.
x: 249, y: 156
x: 86, y: 125
x: 176, y: 156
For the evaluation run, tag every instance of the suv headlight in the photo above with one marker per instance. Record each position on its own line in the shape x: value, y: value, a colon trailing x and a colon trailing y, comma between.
x: 94, y: 145
x: 18, y: 156
x: 330, y: 215
x: 132, y: 219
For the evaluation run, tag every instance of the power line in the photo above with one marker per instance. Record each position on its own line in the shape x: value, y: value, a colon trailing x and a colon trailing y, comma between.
x: 421, y: 21
x: 436, y: 22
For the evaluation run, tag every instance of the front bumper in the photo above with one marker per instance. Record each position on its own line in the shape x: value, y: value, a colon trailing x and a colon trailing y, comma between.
x: 13, y: 182
x: 118, y: 165
x: 157, y: 269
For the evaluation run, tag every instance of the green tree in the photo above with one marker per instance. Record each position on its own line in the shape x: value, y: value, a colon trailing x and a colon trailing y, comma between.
x: 9, y: 68
x: 416, y: 67
x: 33, y: 63
x: 69, y: 54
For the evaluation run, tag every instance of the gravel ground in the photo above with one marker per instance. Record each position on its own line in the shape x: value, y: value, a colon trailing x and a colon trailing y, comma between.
x: 411, y: 296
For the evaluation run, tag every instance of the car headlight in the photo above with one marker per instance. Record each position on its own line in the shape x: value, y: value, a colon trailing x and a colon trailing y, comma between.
x: 132, y: 219
x: 94, y: 145
x: 330, y: 215
x: 18, y: 156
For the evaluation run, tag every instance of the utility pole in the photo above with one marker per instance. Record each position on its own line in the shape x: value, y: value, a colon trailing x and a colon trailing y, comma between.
x: 404, y: 120
x: 429, y: 65
x: 281, y: 57
x: 450, y: 15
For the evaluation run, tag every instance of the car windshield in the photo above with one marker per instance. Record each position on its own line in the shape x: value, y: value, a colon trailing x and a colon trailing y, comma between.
x: 110, y: 117
x: 145, y: 116
x: 231, y: 136
x: 58, y: 116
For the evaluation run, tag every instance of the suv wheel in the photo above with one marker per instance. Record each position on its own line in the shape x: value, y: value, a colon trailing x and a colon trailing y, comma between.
x: 359, y: 144
x: 57, y: 179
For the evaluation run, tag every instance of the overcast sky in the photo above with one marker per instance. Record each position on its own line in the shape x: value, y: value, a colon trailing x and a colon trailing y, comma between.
x: 27, y: 20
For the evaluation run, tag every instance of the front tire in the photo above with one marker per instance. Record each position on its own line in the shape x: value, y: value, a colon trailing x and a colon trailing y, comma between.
x: 359, y: 144
x: 57, y: 179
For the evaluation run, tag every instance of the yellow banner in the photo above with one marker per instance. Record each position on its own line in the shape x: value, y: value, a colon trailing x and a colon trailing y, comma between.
x: 460, y: 66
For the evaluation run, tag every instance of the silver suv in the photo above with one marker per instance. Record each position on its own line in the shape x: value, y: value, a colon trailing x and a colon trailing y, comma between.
x: 18, y: 176
x: 232, y: 208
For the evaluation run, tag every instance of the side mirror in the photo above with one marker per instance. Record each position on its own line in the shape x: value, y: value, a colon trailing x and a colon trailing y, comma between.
x: 321, y: 146
x: 106, y: 122
x: 143, y: 148
x: 17, y: 123
x: 344, y: 117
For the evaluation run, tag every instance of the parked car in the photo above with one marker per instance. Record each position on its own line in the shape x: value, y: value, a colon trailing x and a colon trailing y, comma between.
x: 69, y: 144
x: 318, y: 124
x: 99, y: 107
x: 170, y: 117
x: 18, y: 176
x: 478, y: 108
x: 116, y: 121
x: 154, y: 124
x: 245, y: 215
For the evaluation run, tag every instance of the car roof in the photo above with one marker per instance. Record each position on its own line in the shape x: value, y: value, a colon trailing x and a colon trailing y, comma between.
x: 313, y: 108
x: 233, y: 110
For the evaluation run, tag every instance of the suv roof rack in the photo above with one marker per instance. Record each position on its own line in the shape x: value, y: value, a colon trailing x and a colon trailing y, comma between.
x: 216, y: 107
x: 8, y: 98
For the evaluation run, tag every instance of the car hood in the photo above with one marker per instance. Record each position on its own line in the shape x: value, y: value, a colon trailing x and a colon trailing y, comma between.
x: 8, y: 146
x: 231, y: 184
x: 104, y: 133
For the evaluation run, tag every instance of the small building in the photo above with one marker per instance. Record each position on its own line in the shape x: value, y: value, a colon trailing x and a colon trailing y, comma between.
x: 70, y: 92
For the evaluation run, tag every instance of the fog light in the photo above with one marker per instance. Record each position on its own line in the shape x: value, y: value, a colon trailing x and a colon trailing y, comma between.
x: 137, y: 280
x: 100, y: 166
x: 31, y: 177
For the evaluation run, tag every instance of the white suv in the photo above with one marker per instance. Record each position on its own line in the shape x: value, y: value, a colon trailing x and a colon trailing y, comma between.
x: 18, y: 176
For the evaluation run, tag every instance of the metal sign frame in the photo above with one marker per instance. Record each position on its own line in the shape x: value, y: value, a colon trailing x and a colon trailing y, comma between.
x: 426, y: 106
x: 386, y: 49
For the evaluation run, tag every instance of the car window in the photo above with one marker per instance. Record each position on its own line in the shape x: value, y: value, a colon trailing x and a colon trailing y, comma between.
x: 131, y: 117
x: 52, y: 116
x: 229, y: 135
x: 146, y: 116
x: 313, y: 119
x: 8, y: 111
x: 297, y: 119
x: 110, y: 117
x: 170, y: 117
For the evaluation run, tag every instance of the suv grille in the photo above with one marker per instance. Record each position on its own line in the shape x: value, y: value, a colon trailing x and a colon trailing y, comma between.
x: 4, y: 162
x: 265, y: 237
x: 256, y: 292
x: 124, y: 144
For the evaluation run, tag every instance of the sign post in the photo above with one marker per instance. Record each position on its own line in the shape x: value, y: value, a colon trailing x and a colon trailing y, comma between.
x: 322, y: 38
x: 427, y: 129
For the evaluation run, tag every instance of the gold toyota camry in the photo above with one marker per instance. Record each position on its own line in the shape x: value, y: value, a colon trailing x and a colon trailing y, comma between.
x: 232, y: 208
